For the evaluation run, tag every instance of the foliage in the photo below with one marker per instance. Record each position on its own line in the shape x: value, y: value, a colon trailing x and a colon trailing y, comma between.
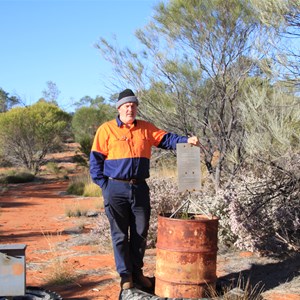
x: 3, y: 162
x: 88, y: 101
x: 272, y: 123
x: 86, y: 143
x: 196, y: 57
x: 211, y: 67
x: 197, y: 60
x: 77, y: 212
x: 54, y: 168
x: 51, y: 93
x: 92, y: 190
x: 266, y: 213
x: 256, y: 213
x: 76, y: 188
x: 59, y: 272
x: 82, y: 185
x: 277, y: 13
x: 163, y: 163
x: 16, y: 177
x: 165, y: 198
x: 85, y: 122
x: 28, y: 134
x: 283, y: 17
x: 6, y: 101
x: 259, y: 211
x: 239, y: 290
x: 269, y: 195
x: 80, y: 160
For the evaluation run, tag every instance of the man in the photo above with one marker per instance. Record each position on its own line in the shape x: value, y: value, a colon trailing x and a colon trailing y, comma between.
x: 119, y: 164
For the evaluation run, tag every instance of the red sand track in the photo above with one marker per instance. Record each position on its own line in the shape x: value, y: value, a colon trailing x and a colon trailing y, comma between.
x: 35, y: 214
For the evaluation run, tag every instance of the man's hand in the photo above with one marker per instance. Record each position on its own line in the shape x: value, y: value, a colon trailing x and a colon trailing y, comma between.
x: 194, y: 141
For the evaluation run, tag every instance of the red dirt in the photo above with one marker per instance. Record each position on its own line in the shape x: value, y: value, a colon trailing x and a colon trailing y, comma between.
x: 35, y: 214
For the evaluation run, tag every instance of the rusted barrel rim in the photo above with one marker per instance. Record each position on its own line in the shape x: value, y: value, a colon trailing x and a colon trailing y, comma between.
x: 196, y: 218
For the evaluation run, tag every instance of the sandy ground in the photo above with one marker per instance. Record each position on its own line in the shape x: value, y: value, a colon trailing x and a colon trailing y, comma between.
x: 36, y: 214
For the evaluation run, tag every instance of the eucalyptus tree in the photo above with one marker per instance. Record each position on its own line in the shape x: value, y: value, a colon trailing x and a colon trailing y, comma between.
x: 89, y: 115
x: 265, y: 214
x: 7, y: 101
x: 51, y: 93
x: 189, y: 73
x: 283, y: 18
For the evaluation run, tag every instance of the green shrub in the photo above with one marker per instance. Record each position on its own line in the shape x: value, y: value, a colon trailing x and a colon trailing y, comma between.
x: 86, y: 144
x: 259, y: 211
x: 80, y: 160
x: 21, y: 177
x: 4, y: 163
x: 38, y: 128
x: 76, y: 188
x: 82, y: 185
x: 53, y: 168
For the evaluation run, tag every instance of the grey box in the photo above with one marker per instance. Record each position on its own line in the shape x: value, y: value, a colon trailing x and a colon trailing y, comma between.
x: 188, y: 167
x: 12, y: 270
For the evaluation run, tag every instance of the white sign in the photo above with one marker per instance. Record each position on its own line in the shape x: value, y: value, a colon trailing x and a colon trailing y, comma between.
x: 188, y: 167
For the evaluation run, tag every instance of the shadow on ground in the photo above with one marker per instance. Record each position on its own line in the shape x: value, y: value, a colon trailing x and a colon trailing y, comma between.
x: 266, y: 276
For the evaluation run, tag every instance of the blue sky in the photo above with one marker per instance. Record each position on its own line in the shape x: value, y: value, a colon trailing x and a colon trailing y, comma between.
x: 53, y: 40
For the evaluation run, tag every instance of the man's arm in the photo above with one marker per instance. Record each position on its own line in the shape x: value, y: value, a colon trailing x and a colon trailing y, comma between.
x: 96, y: 168
x: 170, y: 140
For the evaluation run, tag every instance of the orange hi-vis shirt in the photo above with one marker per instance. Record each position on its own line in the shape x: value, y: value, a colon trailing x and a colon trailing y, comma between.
x: 123, y: 152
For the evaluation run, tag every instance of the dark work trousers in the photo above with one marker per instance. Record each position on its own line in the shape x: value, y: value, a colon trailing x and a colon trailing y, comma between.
x: 127, y: 207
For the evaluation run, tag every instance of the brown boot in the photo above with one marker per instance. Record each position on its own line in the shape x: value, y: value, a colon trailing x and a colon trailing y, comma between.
x: 126, y: 282
x: 143, y: 282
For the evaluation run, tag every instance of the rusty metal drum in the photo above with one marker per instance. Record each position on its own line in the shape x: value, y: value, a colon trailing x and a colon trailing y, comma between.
x: 186, y: 254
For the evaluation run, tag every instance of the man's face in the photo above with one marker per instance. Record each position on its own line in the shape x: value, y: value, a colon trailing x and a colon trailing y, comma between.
x: 128, y: 112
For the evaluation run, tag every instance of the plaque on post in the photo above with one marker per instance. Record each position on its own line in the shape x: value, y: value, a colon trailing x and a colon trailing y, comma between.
x: 188, y: 167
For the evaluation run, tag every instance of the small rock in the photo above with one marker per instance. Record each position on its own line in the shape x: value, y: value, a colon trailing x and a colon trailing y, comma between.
x: 91, y: 214
x: 73, y: 230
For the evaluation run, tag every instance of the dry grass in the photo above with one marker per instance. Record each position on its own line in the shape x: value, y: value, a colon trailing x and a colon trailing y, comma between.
x: 75, y: 212
x: 164, y: 171
x: 92, y: 190
x: 81, y: 209
x: 53, y: 168
x: 83, y: 185
x: 58, y: 271
x: 242, y: 290
x: 170, y: 171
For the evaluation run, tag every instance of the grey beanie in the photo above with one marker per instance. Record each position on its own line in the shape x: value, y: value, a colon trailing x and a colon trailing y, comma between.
x: 125, y: 97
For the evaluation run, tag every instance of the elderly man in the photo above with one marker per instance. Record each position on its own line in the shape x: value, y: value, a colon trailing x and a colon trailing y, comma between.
x: 119, y: 164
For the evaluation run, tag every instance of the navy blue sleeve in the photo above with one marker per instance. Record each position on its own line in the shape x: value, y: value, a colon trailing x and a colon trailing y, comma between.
x: 96, y: 168
x: 170, y: 140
